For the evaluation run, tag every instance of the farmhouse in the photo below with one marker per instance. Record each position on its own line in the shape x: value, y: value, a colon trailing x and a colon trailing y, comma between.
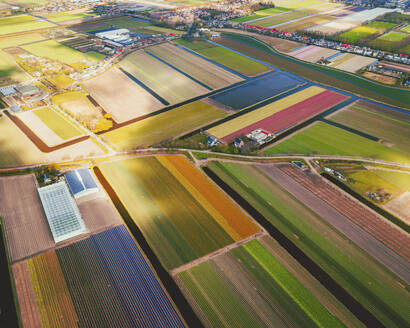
x: 81, y: 182
x: 260, y: 136
x: 61, y: 211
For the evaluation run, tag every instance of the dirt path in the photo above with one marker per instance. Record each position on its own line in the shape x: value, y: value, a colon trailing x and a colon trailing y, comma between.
x: 220, y: 251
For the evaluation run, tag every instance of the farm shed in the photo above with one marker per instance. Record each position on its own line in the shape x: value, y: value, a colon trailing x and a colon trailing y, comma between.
x: 61, y: 211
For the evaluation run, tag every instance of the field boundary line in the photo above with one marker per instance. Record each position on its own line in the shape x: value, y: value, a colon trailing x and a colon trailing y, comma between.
x: 218, y: 252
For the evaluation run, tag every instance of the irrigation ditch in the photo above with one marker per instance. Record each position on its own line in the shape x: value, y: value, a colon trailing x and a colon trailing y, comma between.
x: 170, y: 285
x: 315, y: 270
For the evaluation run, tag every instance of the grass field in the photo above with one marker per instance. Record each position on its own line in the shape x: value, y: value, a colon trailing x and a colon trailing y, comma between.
x: 371, y: 180
x: 21, y: 150
x: 22, y: 23
x: 58, y: 123
x: 9, y: 71
x: 391, y: 126
x: 326, y: 75
x: 157, y: 76
x: 286, y: 17
x: 225, y: 57
x: 356, y: 271
x: 306, y: 23
x: 66, y: 16
x: 57, y: 51
x: 393, y: 36
x: 27, y: 3
x: 321, y: 138
x: 61, y: 81
x: 178, y: 234
x: 259, y: 14
x: 223, y: 289
x: 406, y: 29
x: 164, y: 126
x: 211, y: 75
x: 366, y: 30
x: 12, y: 41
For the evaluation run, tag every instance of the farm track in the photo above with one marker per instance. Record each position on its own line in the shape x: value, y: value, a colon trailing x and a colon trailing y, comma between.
x: 40, y: 144
x: 387, y: 233
x: 338, y: 291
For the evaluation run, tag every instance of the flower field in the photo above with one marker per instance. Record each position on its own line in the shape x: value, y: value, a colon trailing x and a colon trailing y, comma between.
x: 257, y: 90
x: 211, y: 75
x: 225, y: 57
x: 349, y: 265
x: 157, y: 76
x: 104, y: 280
x: 249, y: 287
x: 279, y: 115
x: 178, y: 234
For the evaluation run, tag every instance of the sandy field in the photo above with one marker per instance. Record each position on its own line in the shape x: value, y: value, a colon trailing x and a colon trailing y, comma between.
x: 23, y: 217
x: 339, y: 25
x: 40, y: 129
x: 380, y: 78
x: 121, y: 96
x: 313, y: 53
x: 400, y: 206
x: 356, y: 63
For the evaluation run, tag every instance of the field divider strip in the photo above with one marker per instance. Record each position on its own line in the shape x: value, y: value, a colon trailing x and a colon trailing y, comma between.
x: 152, y: 92
x: 213, y: 62
x: 179, y: 71
x: 218, y: 252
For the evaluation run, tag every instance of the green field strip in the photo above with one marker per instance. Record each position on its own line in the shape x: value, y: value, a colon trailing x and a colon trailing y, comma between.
x: 220, y: 305
x: 225, y: 57
x: 288, y: 282
x: 336, y: 142
x: 64, y: 129
x: 167, y: 125
x: 357, y: 272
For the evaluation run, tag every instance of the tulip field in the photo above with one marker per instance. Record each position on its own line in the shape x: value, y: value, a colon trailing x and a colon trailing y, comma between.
x: 249, y: 287
x: 101, y: 281
x: 279, y: 115
x: 181, y: 213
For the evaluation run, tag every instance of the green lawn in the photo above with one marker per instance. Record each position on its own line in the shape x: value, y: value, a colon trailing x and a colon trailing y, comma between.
x: 66, y: 16
x: 374, y: 286
x: 393, y: 36
x: 9, y: 70
x: 22, y: 23
x: 164, y: 126
x: 260, y: 14
x: 57, y: 123
x: 12, y: 41
x: 57, y: 51
x: 400, y: 180
x: 225, y: 57
x: 323, y: 139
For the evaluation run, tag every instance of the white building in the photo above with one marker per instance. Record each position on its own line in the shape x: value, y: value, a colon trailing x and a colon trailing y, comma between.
x: 118, y: 35
x: 62, y: 213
